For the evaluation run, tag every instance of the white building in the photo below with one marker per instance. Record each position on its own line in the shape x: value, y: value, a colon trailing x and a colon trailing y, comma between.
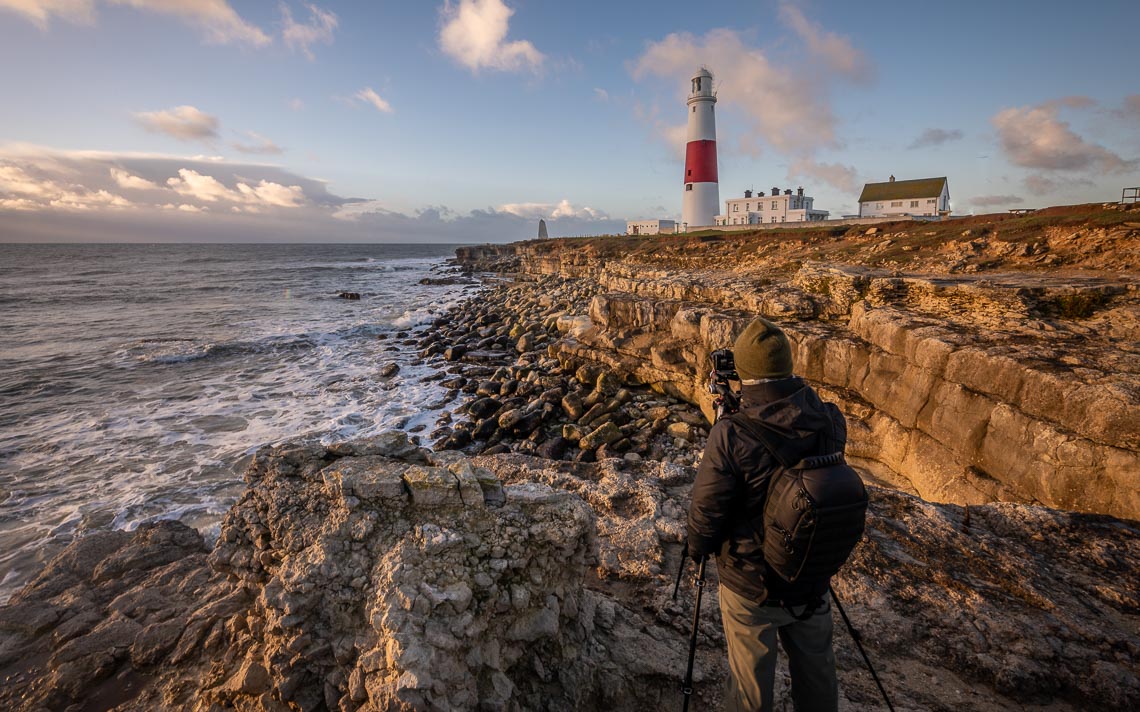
x: 701, y: 197
x: 777, y: 208
x: 650, y: 227
x: 929, y: 197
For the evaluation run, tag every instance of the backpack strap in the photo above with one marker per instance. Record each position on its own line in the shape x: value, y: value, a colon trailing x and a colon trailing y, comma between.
x: 757, y: 431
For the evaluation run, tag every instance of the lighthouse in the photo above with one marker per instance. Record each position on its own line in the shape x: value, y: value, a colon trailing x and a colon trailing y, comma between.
x: 701, y: 200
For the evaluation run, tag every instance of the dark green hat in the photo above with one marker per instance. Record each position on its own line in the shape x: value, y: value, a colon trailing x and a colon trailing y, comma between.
x: 762, y: 351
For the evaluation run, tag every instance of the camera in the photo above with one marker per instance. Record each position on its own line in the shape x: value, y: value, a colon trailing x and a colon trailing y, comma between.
x: 724, y: 364
x: 727, y: 400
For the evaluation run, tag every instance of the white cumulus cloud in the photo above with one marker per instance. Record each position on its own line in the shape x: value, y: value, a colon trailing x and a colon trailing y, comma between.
x: 132, y: 182
x: 192, y: 184
x: 1035, y: 137
x: 40, y: 12
x: 835, y: 50
x: 474, y: 33
x: 185, y: 123
x: 369, y: 95
x: 303, y: 35
x: 216, y: 18
x: 555, y: 211
x: 24, y: 189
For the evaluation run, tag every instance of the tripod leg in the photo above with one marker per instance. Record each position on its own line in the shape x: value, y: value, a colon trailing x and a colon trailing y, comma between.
x: 858, y: 643
x: 687, y: 684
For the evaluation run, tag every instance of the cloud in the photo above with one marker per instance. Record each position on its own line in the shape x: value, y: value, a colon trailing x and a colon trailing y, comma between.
x: 787, y: 105
x: 259, y: 145
x: 54, y: 195
x: 601, y: 94
x: 185, y: 123
x: 1130, y: 107
x: 935, y: 137
x: 296, y: 104
x: 217, y: 18
x: 562, y: 209
x: 369, y: 95
x: 40, y: 12
x: 835, y: 50
x: 302, y: 36
x: 1034, y: 137
x: 25, y: 188
x: 474, y: 33
x: 989, y: 201
x: 44, y: 179
x: 192, y: 184
x: 125, y: 180
x: 845, y: 178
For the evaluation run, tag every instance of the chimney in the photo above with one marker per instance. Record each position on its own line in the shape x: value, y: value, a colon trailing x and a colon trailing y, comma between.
x: 892, y: 179
x: 748, y: 194
x: 787, y: 191
x: 775, y: 192
x: 760, y: 194
x: 800, y: 191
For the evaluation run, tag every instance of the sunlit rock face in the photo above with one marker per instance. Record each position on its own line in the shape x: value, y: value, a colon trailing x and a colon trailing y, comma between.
x: 974, y: 365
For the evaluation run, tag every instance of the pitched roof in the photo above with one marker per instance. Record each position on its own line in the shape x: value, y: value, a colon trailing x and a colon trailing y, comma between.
x: 902, y: 189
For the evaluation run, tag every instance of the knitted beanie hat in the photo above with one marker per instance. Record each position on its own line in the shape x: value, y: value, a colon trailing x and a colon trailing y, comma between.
x: 762, y: 351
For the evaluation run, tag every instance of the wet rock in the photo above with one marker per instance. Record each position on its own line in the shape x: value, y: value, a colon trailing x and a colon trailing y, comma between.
x: 388, y: 370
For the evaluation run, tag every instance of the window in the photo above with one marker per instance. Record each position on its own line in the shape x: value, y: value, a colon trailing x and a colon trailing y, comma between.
x: 782, y: 218
x: 694, y: 108
x: 747, y: 207
x: 736, y: 207
x: 774, y: 204
x: 688, y: 186
x: 931, y: 201
x: 914, y: 203
x: 878, y: 206
x: 759, y: 206
x: 773, y: 219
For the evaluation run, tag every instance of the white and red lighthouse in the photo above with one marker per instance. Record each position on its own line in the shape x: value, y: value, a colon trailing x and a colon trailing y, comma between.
x: 701, y: 200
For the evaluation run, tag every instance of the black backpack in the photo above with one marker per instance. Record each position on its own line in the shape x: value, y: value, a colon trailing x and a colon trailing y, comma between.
x: 814, y: 514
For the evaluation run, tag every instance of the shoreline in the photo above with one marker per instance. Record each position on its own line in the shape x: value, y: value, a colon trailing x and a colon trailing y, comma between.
x: 376, y: 574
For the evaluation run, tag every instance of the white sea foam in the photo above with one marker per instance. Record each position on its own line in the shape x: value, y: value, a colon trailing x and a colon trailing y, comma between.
x: 152, y: 420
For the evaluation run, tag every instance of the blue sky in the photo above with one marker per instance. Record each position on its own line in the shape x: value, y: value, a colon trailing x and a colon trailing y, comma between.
x: 469, y: 120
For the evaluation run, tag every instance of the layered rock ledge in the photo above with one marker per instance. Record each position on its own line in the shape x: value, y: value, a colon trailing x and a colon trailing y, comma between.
x: 976, y: 361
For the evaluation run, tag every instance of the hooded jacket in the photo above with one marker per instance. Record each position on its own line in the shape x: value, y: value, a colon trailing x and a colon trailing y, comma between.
x: 726, y: 512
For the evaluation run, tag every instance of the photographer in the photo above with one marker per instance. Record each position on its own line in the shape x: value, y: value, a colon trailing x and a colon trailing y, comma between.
x: 725, y: 521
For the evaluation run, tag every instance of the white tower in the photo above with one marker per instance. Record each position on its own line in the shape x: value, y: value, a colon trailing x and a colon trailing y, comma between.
x: 701, y: 199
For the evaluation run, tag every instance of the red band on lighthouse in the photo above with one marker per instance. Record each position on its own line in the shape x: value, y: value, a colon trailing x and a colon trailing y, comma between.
x: 700, y: 162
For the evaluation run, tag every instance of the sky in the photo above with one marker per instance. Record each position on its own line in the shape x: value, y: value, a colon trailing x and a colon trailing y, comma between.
x: 468, y: 120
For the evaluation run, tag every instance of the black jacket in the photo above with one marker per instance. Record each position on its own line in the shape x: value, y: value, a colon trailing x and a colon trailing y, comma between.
x: 726, y: 511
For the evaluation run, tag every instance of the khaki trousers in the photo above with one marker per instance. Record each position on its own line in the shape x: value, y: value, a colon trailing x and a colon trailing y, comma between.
x: 751, y: 630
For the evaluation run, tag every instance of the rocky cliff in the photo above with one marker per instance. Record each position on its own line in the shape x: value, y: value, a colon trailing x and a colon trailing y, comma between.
x: 378, y: 576
x: 527, y: 562
x: 988, y: 359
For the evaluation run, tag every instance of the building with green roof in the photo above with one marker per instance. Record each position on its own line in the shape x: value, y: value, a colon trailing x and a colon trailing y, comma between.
x: 925, y: 197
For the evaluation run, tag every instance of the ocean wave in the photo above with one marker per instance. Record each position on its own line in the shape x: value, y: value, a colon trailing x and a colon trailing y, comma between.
x: 187, y: 350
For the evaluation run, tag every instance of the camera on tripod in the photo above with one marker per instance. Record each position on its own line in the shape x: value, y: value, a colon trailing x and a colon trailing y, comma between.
x: 727, y: 400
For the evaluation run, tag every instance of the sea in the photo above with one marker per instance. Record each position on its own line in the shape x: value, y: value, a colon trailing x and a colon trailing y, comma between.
x: 136, y: 380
